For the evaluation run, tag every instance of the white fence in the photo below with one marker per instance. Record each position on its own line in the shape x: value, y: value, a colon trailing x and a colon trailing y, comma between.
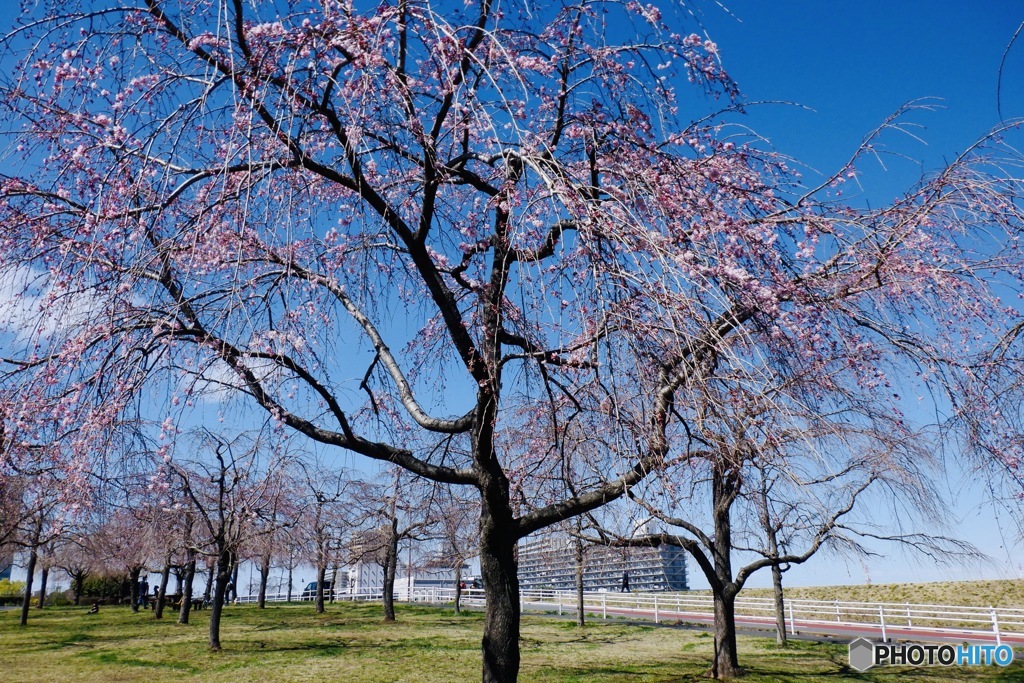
x: 870, y: 618
x: 874, y: 619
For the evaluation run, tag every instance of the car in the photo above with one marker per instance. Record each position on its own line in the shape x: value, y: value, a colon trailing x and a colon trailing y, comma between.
x: 309, y: 592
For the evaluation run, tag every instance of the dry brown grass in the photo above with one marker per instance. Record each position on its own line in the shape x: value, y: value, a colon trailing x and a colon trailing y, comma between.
x: 1003, y: 593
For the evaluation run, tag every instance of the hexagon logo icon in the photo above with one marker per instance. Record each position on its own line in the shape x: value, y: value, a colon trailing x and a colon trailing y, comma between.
x: 862, y: 654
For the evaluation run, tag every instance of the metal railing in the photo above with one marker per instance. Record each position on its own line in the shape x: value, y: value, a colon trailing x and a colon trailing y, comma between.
x: 885, y: 619
x: 820, y: 616
x: 302, y: 596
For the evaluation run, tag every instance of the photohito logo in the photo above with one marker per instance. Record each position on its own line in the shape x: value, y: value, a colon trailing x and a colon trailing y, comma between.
x: 865, y: 654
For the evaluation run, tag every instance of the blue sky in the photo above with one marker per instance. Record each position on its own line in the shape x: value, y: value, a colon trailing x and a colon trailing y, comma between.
x: 850, y: 65
x: 854, y: 63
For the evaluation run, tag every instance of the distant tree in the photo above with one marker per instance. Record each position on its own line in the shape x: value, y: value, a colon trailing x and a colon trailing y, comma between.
x: 457, y: 533
x: 404, y: 511
x: 74, y: 555
x: 326, y: 517
x: 226, y: 484
x: 781, y: 486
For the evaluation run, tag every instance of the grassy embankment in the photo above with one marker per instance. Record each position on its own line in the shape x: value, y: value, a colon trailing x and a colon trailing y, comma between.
x: 1005, y: 593
x: 350, y: 643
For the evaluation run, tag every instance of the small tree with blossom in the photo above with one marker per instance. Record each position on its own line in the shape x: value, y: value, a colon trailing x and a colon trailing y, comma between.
x: 226, y: 486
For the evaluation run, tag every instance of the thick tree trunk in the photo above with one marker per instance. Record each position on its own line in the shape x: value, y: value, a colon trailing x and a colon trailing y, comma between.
x: 780, y: 606
x: 133, y: 589
x: 44, y: 576
x: 290, y: 568
x: 220, y: 590
x: 26, y: 601
x: 390, y: 569
x: 458, y: 586
x: 321, y: 576
x: 186, y: 592
x: 264, y: 577
x: 726, y: 665
x: 161, y: 594
x: 725, y: 487
x: 500, y: 575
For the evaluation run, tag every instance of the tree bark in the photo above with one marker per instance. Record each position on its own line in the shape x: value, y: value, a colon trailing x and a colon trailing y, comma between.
x: 208, y: 593
x: 26, y: 601
x: 220, y: 589
x: 724, y: 487
x: 499, y: 571
x: 321, y: 576
x: 77, y: 584
x: 133, y: 589
x: 161, y: 594
x: 264, y: 577
x: 291, y: 566
x: 458, y: 586
x: 771, y: 532
x: 233, y: 597
x: 44, y: 575
x: 390, y: 569
x: 780, y: 605
x: 186, y: 593
x: 726, y: 663
x: 581, y: 619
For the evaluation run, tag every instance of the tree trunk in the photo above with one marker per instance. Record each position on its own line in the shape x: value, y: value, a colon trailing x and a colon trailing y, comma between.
x: 726, y: 664
x: 773, y: 552
x: 780, y: 606
x: 30, y: 571
x: 220, y: 589
x: 161, y: 594
x: 290, y: 568
x: 233, y: 597
x: 724, y: 487
x: 264, y: 577
x: 458, y: 586
x: 500, y: 575
x: 208, y: 593
x: 581, y: 619
x: 186, y: 593
x: 44, y: 575
x: 133, y: 590
x: 321, y: 576
x: 77, y: 585
x: 390, y: 569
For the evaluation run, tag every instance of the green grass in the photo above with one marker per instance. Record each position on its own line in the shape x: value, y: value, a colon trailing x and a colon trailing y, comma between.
x: 289, y: 643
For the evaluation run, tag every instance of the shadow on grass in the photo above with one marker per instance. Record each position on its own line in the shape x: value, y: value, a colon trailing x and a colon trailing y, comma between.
x: 124, y: 660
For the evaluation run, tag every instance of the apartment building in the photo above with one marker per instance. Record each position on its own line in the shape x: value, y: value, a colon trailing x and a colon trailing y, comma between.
x: 550, y: 562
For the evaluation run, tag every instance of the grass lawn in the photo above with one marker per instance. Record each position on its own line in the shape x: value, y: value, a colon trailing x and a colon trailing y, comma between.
x: 351, y: 644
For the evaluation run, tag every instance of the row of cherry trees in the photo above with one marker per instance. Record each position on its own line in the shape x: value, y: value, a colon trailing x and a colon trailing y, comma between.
x: 229, y: 501
x: 504, y: 247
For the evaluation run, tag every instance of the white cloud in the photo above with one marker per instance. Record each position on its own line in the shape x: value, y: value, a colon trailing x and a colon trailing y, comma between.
x: 33, y: 307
